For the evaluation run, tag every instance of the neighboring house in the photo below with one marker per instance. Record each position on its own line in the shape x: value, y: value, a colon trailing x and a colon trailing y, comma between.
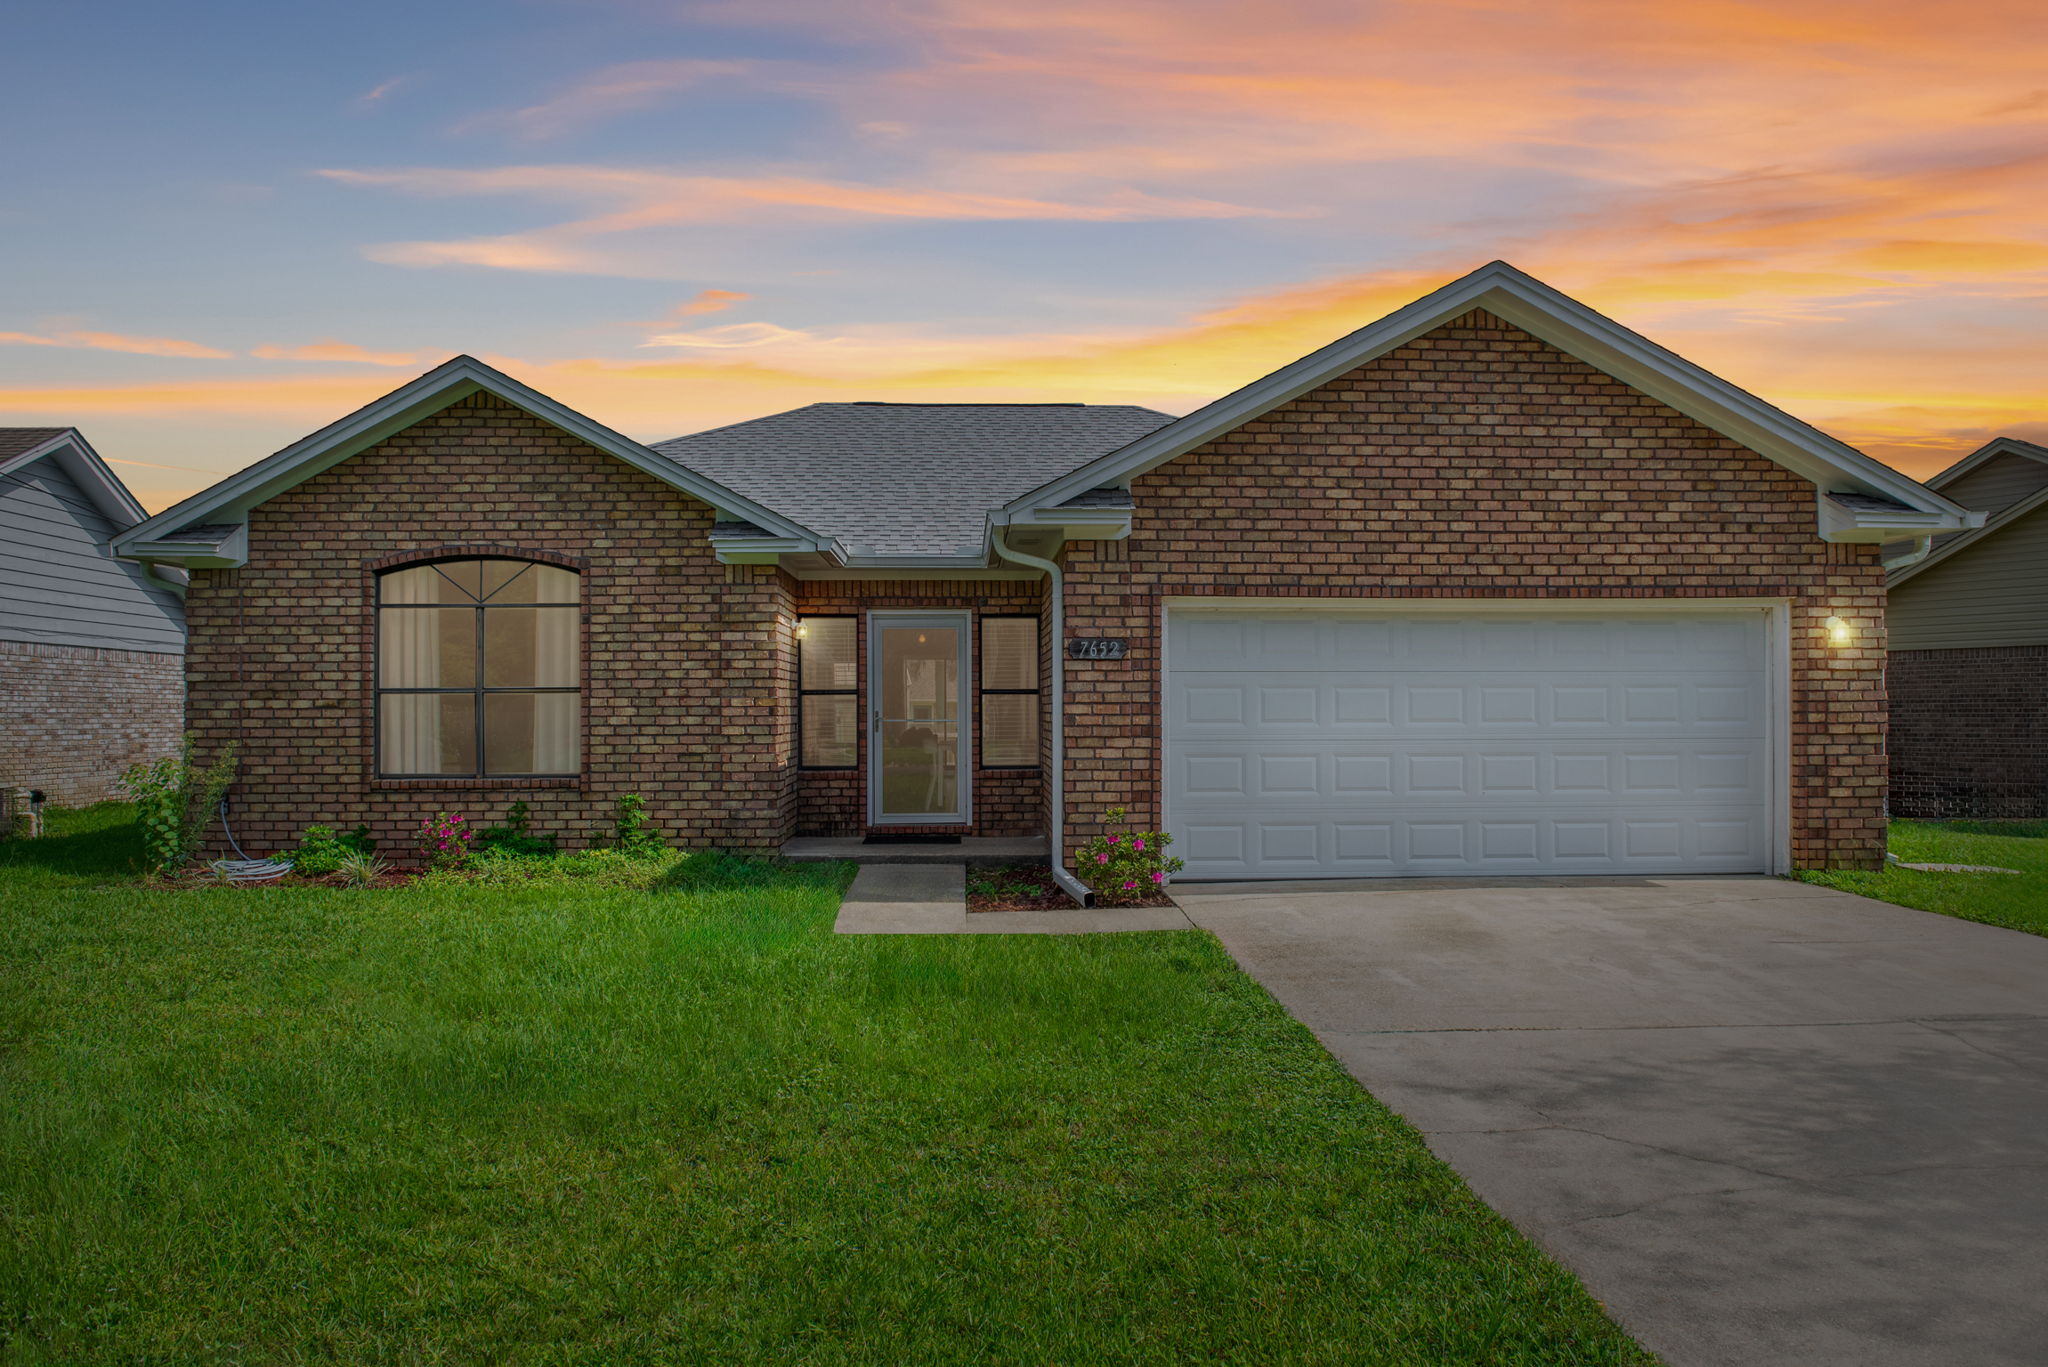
x: 91, y: 647
x: 1493, y: 585
x: 1969, y: 647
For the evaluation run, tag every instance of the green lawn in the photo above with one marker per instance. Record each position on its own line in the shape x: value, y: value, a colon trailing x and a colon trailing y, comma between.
x: 2019, y: 902
x: 623, y: 1119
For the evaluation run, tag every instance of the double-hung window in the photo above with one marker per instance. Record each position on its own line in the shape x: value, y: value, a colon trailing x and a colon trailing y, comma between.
x: 828, y: 692
x: 1009, y: 692
x: 478, y: 670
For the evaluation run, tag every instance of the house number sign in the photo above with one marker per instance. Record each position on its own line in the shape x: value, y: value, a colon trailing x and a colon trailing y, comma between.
x: 1098, y: 648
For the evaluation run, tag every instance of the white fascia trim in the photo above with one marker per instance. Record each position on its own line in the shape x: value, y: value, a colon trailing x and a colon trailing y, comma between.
x: 1566, y: 324
x: 1838, y: 523
x: 1079, y: 524
x: 93, y: 476
x: 230, y: 552
x: 232, y: 498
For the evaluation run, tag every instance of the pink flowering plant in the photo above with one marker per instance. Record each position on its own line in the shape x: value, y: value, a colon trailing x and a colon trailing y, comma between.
x: 1122, y: 866
x: 445, y: 840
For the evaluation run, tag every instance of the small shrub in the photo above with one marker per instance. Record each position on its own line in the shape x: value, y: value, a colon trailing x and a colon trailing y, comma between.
x: 1122, y: 866
x: 360, y: 868
x: 631, y: 831
x: 445, y: 840
x: 321, y: 851
x: 175, y: 800
x: 513, y: 837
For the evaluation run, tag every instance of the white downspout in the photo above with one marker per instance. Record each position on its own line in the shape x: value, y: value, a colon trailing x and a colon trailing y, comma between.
x: 1913, y: 557
x: 1057, y: 798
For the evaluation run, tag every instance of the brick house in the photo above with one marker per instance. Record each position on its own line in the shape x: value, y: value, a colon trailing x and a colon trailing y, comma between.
x: 91, y: 647
x: 1969, y: 646
x: 1492, y: 585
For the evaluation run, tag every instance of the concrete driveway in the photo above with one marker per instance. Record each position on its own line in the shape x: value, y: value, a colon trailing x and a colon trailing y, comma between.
x: 1765, y: 1122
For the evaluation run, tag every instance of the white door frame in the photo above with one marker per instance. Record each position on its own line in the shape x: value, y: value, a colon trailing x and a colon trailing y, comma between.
x: 962, y: 621
x: 1777, y: 614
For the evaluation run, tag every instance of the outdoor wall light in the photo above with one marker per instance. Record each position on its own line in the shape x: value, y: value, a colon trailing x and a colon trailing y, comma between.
x: 801, y: 630
x: 1840, y: 632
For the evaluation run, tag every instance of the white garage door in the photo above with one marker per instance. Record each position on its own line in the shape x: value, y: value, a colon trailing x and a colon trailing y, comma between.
x: 1307, y: 744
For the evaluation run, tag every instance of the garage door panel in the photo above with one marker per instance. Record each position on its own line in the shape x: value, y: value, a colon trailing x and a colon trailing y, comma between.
x: 1333, y: 702
x: 1351, y: 773
x: 1287, y: 642
x: 1308, y: 843
x: 1310, y: 744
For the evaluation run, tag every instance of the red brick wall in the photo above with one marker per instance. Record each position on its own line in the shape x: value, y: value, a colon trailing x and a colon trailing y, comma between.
x: 1969, y: 732
x: 689, y: 663
x: 1006, y: 802
x: 74, y: 717
x: 1478, y: 461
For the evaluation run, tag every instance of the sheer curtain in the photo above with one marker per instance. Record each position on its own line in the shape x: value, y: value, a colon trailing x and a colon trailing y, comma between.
x: 411, y: 658
x: 554, y: 714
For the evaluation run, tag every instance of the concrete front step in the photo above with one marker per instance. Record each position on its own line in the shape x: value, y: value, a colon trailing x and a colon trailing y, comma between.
x: 974, y: 849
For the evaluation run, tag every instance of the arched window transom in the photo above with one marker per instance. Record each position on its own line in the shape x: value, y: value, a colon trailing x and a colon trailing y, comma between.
x: 478, y: 670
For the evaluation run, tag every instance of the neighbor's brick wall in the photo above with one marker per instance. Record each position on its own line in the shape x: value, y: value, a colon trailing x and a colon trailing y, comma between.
x: 73, y: 717
x: 1969, y: 732
x: 689, y: 663
x: 1006, y: 802
x: 1478, y: 461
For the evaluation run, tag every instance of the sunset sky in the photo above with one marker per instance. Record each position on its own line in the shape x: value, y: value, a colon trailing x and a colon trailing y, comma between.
x: 227, y: 224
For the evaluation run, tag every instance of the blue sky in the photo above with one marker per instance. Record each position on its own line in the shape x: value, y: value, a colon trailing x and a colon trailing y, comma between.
x: 231, y: 223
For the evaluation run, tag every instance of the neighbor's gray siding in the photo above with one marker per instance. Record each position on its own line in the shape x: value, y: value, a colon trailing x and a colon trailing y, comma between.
x: 1999, y: 483
x: 1994, y: 593
x: 58, y: 584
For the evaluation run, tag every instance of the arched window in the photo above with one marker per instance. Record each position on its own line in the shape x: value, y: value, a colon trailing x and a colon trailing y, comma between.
x: 477, y: 670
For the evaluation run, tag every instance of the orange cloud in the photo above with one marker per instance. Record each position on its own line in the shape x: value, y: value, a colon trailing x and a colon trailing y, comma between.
x: 327, y: 349
x: 114, y: 341
x: 709, y: 301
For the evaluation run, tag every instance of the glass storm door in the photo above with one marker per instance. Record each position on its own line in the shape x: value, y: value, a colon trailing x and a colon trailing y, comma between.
x: 917, y: 742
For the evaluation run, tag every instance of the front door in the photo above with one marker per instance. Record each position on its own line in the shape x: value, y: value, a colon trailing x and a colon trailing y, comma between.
x: 918, y: 757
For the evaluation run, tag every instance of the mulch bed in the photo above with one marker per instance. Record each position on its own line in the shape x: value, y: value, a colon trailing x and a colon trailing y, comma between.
x: 1027, y: 887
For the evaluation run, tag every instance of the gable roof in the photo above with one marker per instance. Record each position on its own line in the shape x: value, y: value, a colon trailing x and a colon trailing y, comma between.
x: 1999, y: 519
x: 1528, y: 303
x: 229, y: 501
x: 21, y: 447
x: 1995, y: 449
x: 896, y: 480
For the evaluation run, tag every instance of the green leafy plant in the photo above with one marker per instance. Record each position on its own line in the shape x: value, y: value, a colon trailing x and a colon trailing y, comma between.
x: 631, y: 830
x: 175, y: 799
x: 514, y: 837
x: 361, y: 868
x: 445, y: 840
x: 321, y: 851
x: 1122, y: 866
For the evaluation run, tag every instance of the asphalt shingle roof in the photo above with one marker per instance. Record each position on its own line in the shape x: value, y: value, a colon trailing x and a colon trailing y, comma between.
x: 906, y: 478
x: 15, y: 440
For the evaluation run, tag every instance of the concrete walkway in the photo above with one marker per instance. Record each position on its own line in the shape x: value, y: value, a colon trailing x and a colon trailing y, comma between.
x: 1767, y: 1123
x: 931, y: 899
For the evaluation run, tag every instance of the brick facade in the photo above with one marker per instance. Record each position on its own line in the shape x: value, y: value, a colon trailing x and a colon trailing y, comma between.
x: 689, y: 664
x: 1478, y: 461
x: 74, y: 717
x: 1969, y: 734
x: 1005, y: 802
x: 1473, y: 462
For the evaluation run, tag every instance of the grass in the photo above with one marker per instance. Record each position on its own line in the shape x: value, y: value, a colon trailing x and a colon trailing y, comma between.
x: 2018, y: 902
x: 625, y: 1111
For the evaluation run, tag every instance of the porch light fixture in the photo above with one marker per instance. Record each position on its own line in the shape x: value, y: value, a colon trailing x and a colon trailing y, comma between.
x: 1840, y: 632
